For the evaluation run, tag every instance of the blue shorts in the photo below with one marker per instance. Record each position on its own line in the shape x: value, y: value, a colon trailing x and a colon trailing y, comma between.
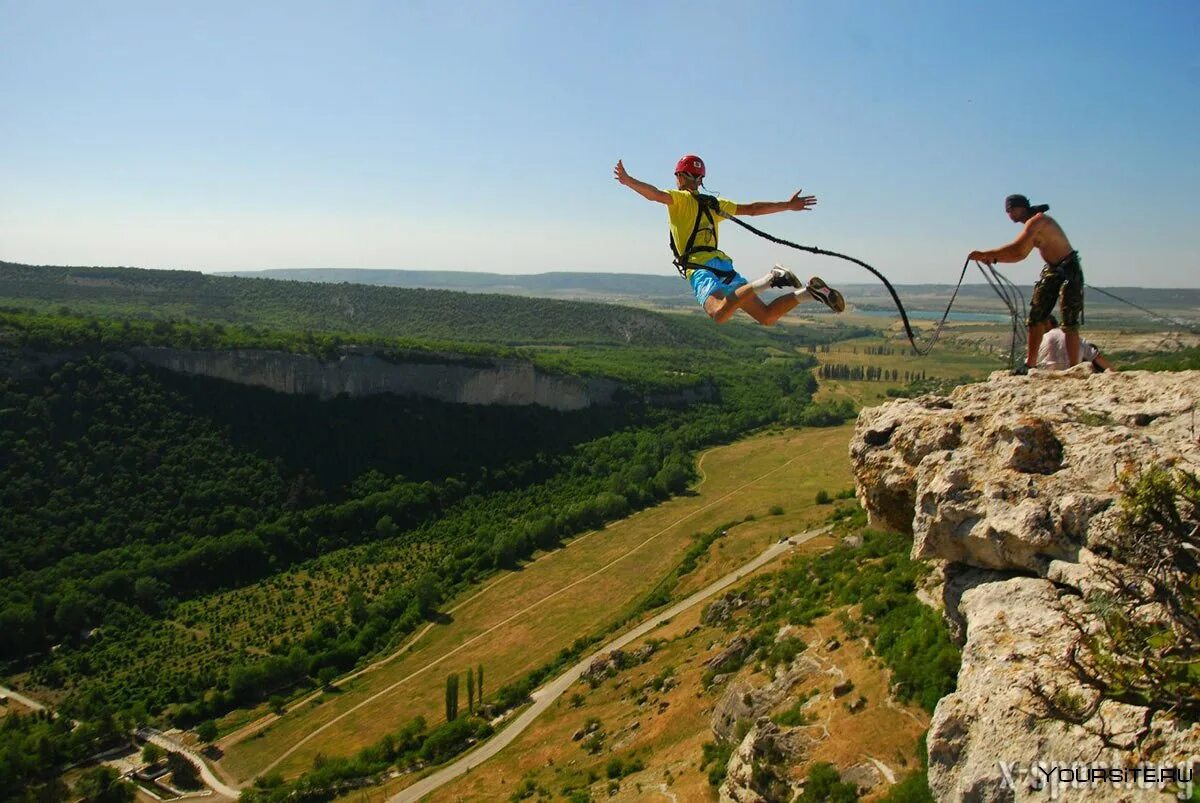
x: 705, y: 282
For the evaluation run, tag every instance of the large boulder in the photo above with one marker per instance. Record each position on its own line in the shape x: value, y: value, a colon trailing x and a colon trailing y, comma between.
x: 743, y: 702
x: 754, y: 772
x: 1018, y: 471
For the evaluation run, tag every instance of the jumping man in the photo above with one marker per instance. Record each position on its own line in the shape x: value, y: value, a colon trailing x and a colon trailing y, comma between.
x: 1062, y: 276
x: 719, y: 288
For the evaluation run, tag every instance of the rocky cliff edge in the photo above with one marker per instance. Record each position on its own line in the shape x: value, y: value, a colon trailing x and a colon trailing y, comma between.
x: 1013, y: 489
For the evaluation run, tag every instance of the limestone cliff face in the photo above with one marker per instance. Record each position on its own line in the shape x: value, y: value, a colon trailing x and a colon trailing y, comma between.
x: 490, y: 382
x: 361, y: 372
x: 1010, y: 487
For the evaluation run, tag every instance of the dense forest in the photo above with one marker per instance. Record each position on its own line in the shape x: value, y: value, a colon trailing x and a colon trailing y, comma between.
x: 177, y: 547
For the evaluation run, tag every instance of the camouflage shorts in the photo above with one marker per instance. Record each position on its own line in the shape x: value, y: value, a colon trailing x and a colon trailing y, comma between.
x: 1062, y: 280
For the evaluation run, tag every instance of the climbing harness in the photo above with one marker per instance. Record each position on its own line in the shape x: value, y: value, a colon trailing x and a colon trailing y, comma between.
x: 706, y: 205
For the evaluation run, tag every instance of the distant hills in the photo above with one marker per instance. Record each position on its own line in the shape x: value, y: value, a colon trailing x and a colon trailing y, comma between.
x: 554, y: 282
x: 661, y: 290
x: 533, y: 308
x: 385, y: 311
x: 668, y: 290
x: 421, y: 314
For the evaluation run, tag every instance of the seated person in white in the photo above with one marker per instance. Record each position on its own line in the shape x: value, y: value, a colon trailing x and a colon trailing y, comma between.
x: 1052, y: 352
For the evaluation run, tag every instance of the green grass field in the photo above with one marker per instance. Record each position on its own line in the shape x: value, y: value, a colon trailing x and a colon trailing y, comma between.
x: 962, y: 352
x: 527, y: 616
x: 501, y: 630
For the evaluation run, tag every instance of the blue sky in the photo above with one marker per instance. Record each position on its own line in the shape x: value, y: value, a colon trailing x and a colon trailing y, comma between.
x: 481, y: 136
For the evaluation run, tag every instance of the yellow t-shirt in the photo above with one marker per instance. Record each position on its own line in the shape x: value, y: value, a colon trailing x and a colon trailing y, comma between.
x: 682, y: 214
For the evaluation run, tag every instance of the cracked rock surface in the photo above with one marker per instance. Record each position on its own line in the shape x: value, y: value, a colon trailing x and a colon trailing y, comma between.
x: 1010, y: 487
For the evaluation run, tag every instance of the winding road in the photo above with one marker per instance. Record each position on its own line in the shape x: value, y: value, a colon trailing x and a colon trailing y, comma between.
x: 544, y: 697
x: 552, y: 595
x: 167, y: 743
x: 154, y: 736
x: 33, y: 705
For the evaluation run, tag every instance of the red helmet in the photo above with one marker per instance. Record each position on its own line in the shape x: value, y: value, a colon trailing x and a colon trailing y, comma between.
x: 692, y: 164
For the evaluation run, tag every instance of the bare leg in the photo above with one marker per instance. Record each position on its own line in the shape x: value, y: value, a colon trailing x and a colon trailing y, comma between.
x: 722, y: 309
x: 1036, y: 331
x: 768, y: 314
x: 1072, y: 338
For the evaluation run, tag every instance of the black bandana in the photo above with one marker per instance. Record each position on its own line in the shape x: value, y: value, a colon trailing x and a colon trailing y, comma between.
x: 1021, y: 202
x: 1014, y: 201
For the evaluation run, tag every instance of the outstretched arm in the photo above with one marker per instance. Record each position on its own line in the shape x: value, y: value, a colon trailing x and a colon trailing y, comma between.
x: 647, y: 191
x: 1015, y: 251
x: 799, y: 203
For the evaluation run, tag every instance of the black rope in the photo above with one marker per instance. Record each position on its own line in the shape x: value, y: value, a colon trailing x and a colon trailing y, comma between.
x: 1010, y: 294
x: 1019, y: 315
x: 937, y: 332
x: 908, y: 330
x: 998, y: 288
x: 1173, y: 321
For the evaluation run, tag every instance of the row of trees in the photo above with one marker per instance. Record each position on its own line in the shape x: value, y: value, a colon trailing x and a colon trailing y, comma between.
x: 413, y: 746
x: 474, y: 682
x: 869, y: 373
x: 450, y: 738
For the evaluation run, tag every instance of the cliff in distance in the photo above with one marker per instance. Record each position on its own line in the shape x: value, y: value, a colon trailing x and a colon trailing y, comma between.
x: 475, y: 381
x: 360, y: 372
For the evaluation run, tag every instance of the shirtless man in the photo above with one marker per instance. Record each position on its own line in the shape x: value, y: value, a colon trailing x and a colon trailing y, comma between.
x: 1062, y: 276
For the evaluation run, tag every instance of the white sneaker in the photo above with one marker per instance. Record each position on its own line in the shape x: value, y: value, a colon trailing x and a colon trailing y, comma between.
x: 782, y: 277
